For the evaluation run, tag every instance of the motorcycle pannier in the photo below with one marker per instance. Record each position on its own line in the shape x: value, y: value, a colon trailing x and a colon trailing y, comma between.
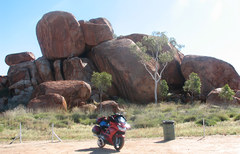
x: 96, y: 130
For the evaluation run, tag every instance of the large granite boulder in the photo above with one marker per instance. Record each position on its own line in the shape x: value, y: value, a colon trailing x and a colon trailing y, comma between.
x: 134, y: 37
x: 78, y: 69
x: 48, y: 101
x: 24, y: 71
x: 172, y: 73
x: 129, y: 75
x: 60, y: 36
x: 214, y: 73
x: 22, y: 77
x: 44, y: 69
x: 69, y: 89
x: 96, y: 32
x: 17, y: 58
x: 109, y: 106
x: 102, y: 21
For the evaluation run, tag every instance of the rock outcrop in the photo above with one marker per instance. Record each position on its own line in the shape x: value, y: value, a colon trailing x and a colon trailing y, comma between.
x: 69, y: 89
x: 21, y: 97
x: 4, y: 81
x: 97, y: 31
x: 44, y: 69
x: 60, y: 36
x: 102, y: 21
x: 214, y: 73
x: 109, y: 106
x: 76, y: 69
x: 214, y: 98
x: 88, y: 108
x: 237, y: 94
x: 3, y: 103
x: 17, y: 58
x: 24, y: 71
x: 48, y: 101
x: 129, y: 76
x: 134, y: 37
x: 58, y: 73
x: 172, y: 73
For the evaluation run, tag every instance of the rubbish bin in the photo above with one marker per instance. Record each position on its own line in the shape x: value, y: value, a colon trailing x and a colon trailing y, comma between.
x: 168, y: 130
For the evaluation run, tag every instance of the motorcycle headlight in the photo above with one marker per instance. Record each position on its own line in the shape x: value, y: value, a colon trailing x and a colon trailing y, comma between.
x: 121, y: 128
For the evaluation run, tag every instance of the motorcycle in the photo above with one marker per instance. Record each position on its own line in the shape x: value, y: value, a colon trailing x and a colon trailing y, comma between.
x: 113, y: 134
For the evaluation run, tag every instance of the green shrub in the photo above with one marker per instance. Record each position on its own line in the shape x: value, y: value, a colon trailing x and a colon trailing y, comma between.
x: 87, y: 121
x: 93, y: 115
x: 1, y: 128
x: 121, y: 101
x: 223, y: 117
x: 168, y: 109
x: 207, y: 122
x: 61, y: 117
x: 143, y: 124
x: 61, y: 124
x: 237, y: 117
x: 76, y: 117
x: 218, y: 117
x: 189, y: 118
x: 232, y: 114
x: 42, y: 115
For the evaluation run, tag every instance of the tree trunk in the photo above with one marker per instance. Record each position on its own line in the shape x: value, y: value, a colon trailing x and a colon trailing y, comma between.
x: 192, y: 97
x: 155, y: 91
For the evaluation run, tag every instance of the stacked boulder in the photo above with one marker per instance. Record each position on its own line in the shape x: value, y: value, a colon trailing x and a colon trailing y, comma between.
x: 213, y: 73
x: 4, y: 84
x: 22, y: 77
x: 72, y: 50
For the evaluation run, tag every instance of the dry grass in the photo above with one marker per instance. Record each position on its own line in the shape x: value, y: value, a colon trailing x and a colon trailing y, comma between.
x: 146, y: 121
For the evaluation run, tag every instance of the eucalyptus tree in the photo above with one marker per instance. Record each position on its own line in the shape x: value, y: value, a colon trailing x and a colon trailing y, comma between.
x: 152, y: 51
x: 102, y: 81
x: 193, y: 85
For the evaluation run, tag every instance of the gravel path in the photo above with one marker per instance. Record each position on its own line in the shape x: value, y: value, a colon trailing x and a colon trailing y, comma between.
x: 196, y: 145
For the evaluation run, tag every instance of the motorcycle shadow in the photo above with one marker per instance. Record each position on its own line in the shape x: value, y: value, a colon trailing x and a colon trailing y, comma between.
x: 97, y: 150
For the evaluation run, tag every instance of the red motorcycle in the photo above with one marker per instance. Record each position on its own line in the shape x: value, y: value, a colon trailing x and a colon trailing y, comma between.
x: 113, y: 133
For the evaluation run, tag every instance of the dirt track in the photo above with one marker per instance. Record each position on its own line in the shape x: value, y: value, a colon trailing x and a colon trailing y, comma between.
x: 210, y: 144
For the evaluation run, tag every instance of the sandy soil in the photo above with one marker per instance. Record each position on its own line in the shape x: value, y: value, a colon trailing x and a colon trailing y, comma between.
x: 210, y: 144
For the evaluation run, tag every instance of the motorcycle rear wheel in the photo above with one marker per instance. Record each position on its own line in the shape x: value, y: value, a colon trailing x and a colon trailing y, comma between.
x: 118, y: 143
x: 100, y: 143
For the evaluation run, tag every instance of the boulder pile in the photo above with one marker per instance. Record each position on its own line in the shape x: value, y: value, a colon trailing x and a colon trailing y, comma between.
x: 72, y: 50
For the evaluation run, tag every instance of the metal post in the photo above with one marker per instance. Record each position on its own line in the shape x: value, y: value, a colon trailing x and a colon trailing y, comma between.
x: 52, y: 132
x: 20, y: 133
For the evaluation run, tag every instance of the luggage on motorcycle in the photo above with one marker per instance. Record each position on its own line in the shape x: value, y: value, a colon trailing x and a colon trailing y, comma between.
x: 96, y: 130
x: 100, y: 119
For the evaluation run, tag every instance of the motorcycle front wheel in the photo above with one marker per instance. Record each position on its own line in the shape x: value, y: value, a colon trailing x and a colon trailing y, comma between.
x: 100, y: 143
x: 118, y: 143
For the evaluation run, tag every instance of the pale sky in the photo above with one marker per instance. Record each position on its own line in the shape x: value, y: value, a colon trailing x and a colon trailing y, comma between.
x: 205, y: 27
